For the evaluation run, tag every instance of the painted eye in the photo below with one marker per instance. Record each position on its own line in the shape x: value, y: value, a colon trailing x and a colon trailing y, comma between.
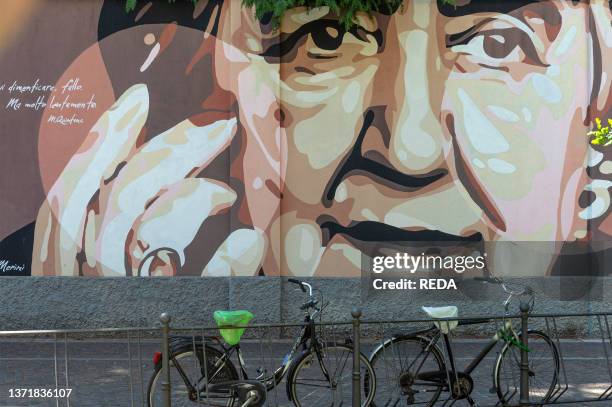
x: 327, y: 36
x: 493, y: 44
x: 501, y: 45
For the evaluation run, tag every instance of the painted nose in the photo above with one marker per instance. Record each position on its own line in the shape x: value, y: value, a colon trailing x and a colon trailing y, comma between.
x: 411, y: 140
x: 374, y: 163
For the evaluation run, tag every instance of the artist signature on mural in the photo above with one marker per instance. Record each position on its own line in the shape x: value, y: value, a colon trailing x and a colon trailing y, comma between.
x: 6, y: 266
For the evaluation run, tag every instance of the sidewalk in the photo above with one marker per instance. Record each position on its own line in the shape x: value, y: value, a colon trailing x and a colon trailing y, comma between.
x: 99, y: 371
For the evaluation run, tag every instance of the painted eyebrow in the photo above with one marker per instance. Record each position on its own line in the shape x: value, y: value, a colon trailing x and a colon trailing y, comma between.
x: 482, y: 6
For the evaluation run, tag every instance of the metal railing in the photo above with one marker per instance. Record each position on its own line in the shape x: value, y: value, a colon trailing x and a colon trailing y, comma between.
x: 114, y: 367
x: 76, y: 367
x: 583, y: 373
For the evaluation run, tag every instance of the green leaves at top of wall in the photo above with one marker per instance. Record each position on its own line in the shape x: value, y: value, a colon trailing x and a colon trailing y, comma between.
x: 131, y: 4
x: 346, y: 10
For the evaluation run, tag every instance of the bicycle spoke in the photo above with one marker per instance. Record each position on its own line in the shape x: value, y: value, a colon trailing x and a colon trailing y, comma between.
x: 407, y: 359
x: 543, y: 369
x: 311, y: 387
x: 301, y: 382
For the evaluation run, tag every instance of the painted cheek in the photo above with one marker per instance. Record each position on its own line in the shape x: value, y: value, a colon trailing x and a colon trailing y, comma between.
x: 316, y: 147
x: 431, y: 212
x: 317, y: 140
x: 564, y: 85
x: 524, y: 142
x: 300, y: 249
x: 500, y: 137
x: 517, y: 131
x: 493, y: 133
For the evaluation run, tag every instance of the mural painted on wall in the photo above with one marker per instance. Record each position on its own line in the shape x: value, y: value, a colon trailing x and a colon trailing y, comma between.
x: 197, y: 140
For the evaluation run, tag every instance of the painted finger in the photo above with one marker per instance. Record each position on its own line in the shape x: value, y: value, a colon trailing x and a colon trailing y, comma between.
x: 297, y: 246
x: 110, y: 141
x: 159, y: 237
x: 43, y: 259
x: 241, y: 254
x: 173, y: 155
x: 265, y: 142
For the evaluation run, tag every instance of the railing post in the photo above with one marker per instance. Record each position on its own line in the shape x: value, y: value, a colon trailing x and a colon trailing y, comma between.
x: 524, y: 399
x: 165, y: 377
x: 356, y: 314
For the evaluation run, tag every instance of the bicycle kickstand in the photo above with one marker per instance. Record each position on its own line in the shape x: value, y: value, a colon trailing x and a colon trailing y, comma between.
x: 472, y: 402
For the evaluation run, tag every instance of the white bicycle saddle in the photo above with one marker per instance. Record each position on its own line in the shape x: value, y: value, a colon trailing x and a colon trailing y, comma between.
x: 450, y: 311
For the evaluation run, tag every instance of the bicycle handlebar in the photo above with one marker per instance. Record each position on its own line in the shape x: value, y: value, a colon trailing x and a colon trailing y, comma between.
x: 312, y: 302
x: 298, y: 282
x: 525, y: 290
x: 490, y: 280
x: 303, y: 285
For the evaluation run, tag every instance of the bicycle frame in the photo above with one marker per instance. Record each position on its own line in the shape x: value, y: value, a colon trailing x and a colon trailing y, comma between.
x: 307, y: 334
x: 451, y: 369
x: 447, y: 377
x: 306, y: 340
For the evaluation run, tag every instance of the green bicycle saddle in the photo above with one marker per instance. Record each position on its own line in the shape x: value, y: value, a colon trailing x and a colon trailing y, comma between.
x: 232, y: 318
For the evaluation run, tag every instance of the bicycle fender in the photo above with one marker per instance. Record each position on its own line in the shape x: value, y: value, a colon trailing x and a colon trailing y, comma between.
x: 397, y: 338
x: 291, y: 372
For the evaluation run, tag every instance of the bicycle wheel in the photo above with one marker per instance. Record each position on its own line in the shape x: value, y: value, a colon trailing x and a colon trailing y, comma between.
x: 543, y: 370
x: 401, y: 366
x: 194, y: 371
x: 308, y: 386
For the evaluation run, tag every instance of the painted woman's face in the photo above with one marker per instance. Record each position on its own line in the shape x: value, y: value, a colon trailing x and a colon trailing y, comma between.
x: 432, y: 123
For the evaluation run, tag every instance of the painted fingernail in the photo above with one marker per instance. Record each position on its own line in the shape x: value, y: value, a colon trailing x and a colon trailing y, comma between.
x: 131, y: 108
x: 303, y: 248
x: 241, y: 254
x: 133, y: 95
x: 173, y: 219
x: 212, y: 135
x: 160, y: 263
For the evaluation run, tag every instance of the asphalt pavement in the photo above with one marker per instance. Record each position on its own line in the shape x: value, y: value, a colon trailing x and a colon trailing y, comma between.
x: 108, y: 372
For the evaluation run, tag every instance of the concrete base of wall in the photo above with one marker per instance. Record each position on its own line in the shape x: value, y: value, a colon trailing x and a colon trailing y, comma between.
x: 60, y: 302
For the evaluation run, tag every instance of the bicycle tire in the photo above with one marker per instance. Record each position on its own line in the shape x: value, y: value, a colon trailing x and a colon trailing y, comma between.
x: 334, y: 356
x: 391, y: 394
x: 178, y: 395
x: 537, y: 341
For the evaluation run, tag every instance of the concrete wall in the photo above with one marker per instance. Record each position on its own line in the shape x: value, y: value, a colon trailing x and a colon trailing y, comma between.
x: 56, y: 302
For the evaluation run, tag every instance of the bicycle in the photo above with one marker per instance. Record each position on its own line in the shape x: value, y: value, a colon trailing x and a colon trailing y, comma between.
x: 247, y: 393
x: 422, y: 373
x: 199, y: 365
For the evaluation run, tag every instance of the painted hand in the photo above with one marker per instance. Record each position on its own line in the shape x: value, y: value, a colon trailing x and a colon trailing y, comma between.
x: 120, y: 208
